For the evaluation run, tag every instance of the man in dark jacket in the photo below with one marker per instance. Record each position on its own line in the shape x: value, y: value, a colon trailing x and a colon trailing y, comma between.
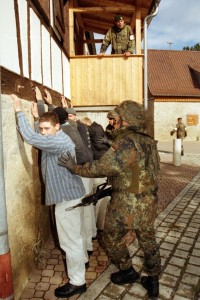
x: 96, y: 133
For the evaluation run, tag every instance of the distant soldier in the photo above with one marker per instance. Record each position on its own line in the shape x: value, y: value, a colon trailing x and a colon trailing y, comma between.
x: 132, y: 165
x: 181, y: 132
x: 120, y: 36
x: 109, y: 128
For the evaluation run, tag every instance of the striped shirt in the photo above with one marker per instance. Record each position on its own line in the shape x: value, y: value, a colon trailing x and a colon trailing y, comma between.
x: 60, y: 184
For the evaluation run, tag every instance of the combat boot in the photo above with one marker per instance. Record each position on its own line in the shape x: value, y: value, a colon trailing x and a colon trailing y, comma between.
x: 151, y: 284
x: 125, y: 276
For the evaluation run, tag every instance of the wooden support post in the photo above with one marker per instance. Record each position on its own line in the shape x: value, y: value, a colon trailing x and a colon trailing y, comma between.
x: 71, y: 32
x: 138, y: 31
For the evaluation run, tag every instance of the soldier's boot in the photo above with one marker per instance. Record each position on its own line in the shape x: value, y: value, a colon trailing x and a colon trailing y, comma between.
x: 151, y: 284
x: 125, y: 276
x: 182, y: 152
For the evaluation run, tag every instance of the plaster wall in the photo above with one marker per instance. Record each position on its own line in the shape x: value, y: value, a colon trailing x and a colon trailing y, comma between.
x: 27, y: 217
x: 165, y: 117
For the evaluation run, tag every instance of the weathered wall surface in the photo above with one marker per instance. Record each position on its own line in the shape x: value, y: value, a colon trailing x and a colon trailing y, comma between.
x: 166, y: 114
x: 28, y: 218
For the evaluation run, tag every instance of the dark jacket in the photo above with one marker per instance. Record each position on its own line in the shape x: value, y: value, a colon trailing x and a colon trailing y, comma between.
x: 85, y: 136
x: 96, y: 131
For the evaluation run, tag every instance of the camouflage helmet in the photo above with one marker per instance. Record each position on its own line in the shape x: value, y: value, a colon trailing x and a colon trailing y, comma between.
x: 132, y: 113
x: 111, y: 114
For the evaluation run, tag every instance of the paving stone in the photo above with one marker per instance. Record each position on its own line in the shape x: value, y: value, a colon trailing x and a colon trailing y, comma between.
x: 177, y: 261
x: 177, y: 297
x: 168, y: 280
x: 49, y: 295
x: 55, y: 280
x: 103, y: 297
x: 186, y: 291
x: 190, y: 279
x: 173, y: 270
x: 181, y: 253
x: 197, y: 245
x: 165, y: 292
x: 39, y: 294
x: 137, y: 290
x: 42, y: 286
x: 167, y: 246
x: 175, y: 233
x: 45, y: 279
x: 47, y: 273
x: 114, y: 291
x: 127, y: 297
x: 171, y: 239
x: 194, y: 261
x: 35, y: 278
x: 164, y: 253
x: 28, y: 293
x: 196, y: 252
x: 193, y: 270
x: 184, y: 246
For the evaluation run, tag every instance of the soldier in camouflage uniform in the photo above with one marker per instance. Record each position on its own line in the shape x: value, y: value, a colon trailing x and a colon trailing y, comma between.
x: 181, y: 132
x: 120, y: 36
x: 131, y: 165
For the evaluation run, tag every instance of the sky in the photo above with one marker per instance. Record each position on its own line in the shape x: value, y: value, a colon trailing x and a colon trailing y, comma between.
x: 177, y: 22
x: 176, y: 25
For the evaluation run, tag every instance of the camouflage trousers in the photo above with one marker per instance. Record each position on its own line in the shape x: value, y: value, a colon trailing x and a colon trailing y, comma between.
x: 128, y: 212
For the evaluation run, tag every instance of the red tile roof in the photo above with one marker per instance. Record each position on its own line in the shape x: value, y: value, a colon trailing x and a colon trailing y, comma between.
x: 174, y: 73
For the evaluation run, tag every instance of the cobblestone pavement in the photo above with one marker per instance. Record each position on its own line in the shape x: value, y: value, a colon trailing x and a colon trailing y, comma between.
x: 177, y: 232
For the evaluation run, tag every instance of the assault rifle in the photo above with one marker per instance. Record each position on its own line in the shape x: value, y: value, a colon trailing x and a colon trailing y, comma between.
x: 101, y: 192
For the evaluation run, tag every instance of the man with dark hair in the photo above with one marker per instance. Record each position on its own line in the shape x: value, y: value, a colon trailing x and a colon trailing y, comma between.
x: 121, y: 38
x: 61, y: 188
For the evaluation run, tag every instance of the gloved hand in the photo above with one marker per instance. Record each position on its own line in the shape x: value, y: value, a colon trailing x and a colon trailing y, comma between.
x: 104, y: 140
x: 67, y: 161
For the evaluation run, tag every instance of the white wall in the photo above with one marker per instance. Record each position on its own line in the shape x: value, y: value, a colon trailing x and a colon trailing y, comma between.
x: 8, y: 37
x: 166, y: 114
x: 49, y: 64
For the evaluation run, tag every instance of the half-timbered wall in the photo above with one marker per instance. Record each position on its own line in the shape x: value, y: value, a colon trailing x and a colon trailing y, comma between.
x: 33, y: 52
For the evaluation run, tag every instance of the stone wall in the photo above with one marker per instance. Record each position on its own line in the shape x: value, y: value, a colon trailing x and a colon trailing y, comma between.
x: 165, y: 117
x: 27, y: 217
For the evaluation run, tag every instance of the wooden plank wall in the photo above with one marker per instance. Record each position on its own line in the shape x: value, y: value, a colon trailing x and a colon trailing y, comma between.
x: 106, y: 80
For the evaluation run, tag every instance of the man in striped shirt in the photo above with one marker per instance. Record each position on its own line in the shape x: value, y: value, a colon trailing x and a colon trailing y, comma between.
x: 62, y: 188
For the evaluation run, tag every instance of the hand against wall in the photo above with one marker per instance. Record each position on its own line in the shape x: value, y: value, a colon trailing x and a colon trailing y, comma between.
x: 16, y: 103
x: 34, y: 109
x: 38, y: 94
x: 48, y: 98
x: 64, y: 102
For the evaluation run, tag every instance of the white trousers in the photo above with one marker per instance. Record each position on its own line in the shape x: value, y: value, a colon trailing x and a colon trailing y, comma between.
x: 89, y: 215
x: 69, y: 228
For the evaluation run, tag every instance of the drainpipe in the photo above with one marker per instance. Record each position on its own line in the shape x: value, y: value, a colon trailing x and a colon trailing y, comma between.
x: 6, y: 287
x: 146, y: 58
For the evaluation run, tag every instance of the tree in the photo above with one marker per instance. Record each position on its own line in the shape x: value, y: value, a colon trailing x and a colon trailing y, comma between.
x: 196, y: 47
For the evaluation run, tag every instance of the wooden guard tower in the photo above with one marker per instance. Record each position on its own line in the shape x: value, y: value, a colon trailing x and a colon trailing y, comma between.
x: 107, y: 80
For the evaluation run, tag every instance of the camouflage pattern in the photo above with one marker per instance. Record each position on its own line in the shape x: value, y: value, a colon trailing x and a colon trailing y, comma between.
x: 122, y: 40
x: 131, y: 165
x: 181, y: 131
x: 111, y: 114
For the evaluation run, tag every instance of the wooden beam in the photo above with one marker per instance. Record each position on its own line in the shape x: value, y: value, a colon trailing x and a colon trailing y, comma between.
x: 104, y: 9
x: 71, y: 32
x: 138, y: 31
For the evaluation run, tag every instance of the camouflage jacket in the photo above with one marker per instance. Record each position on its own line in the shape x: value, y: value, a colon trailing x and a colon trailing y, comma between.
x: 131, y: 164
x: 122, y: 40
x: 180, y: 130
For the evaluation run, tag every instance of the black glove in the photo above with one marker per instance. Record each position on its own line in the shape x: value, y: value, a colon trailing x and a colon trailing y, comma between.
x: 103, y: 140
x: 67, y: 161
